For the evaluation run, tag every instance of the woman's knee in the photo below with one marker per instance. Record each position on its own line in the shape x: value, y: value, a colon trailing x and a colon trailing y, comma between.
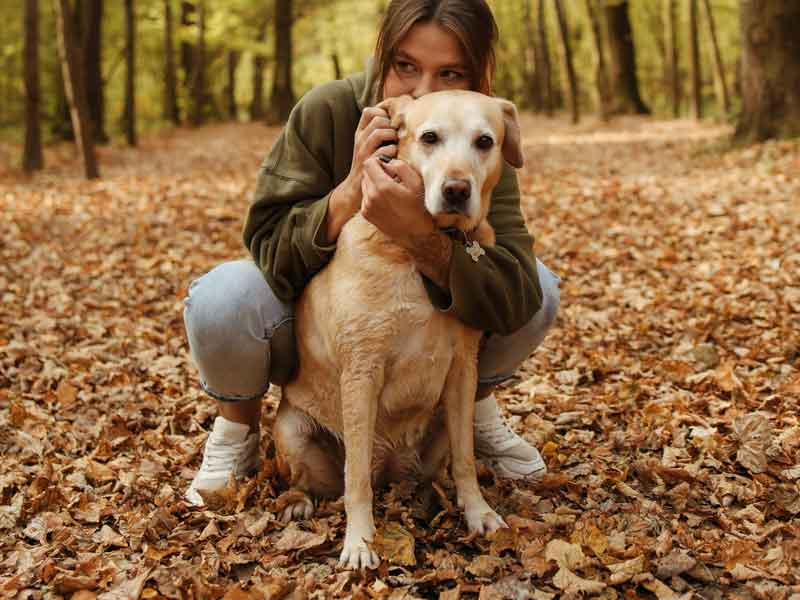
x: 231, y: 316
x: 502, y: 355
x: 225, y: 304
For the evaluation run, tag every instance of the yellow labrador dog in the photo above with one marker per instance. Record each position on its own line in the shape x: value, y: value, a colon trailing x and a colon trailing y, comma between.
x: 384, y: 378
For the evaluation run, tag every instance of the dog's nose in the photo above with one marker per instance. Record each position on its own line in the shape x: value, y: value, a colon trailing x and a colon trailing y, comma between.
x: 456, y: 193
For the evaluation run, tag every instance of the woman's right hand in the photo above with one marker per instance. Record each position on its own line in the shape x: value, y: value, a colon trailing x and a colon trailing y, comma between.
x: 374, y: 129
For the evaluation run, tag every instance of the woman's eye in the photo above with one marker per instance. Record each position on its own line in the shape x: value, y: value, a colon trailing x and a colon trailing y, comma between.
x: 484, y: 142
x: 404, y: 67
x: 452, y: 76
x: 429, y: 137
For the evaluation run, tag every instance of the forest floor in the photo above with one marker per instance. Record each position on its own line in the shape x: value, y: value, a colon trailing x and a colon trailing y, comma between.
x: 664, y: 400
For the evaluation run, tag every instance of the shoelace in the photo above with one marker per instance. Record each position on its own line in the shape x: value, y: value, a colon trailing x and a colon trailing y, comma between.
x: 496, y: 434
x: 220, y: 457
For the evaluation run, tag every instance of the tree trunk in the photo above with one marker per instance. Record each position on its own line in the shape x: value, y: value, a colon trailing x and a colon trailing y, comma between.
x: 694, y: 62
x: 129, y: 114
x: 259, y: 63
x: 601, y: 70
x: 73, y: 82
x: 92, y: 16
x: 32, y: 158
x: 673, y: 73
x: 532, y: 84
x: 230, y: 85
x: 770, y: 70
x: 197, y: 97
x: 282, y: 99
x: 712, y: 30
x: 61, y: 125
x: 187, y: 48
x: 171, y: 111
x: 544, y: 67
x: 337, y: 68
x: 570, y: 68
x: 624, y: 81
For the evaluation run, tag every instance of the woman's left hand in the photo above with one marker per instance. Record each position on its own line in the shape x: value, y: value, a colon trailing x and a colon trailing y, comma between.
x: 393, y: 199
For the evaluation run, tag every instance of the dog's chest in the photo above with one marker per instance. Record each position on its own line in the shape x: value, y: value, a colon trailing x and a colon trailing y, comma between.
x: 383, y: 315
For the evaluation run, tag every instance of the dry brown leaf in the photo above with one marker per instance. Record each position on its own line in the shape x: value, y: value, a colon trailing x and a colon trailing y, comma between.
x: 566, y: 555
x: 395, y: 544
x: 626, y: 570
x: 294, y: 538
x: 570, y: 583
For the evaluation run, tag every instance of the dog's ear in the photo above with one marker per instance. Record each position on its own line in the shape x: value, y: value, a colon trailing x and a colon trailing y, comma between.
x: 396, y: 109
x: 512, y: 142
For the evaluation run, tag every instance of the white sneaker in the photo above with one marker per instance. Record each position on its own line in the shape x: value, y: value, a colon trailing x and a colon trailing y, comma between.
x: 508, y: 454
x: 229, y: 451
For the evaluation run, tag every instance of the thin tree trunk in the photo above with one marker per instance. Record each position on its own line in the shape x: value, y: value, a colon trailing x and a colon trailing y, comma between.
x: 694, y: 62
x: 92, y: 48
x: 532, y: 84
x: 73, y: 83
x: 259, y: 63
x: 61, y: 125
x: 712, y: 29
x: 770, y: 70
x: 337, y: 68
x: 198, y: 82
x: 32, y: 157
x: 282, y: 99
x: 230, y: 85
x: 171, y: 111
x: 601, y: 71
x: 673, y: 73
x: 544, y: 68
x: 187, y: 48
x: 570, y: 68
x: 624, y: 80
x: 129, y: 114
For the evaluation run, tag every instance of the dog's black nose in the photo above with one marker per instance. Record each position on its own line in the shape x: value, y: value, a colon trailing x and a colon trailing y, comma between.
x: 456, y: 194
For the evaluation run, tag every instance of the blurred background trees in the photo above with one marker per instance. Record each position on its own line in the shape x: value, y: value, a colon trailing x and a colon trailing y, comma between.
x: 146, y: 64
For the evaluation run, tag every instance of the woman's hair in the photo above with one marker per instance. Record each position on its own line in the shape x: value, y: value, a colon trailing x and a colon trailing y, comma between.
x: 471, y: 21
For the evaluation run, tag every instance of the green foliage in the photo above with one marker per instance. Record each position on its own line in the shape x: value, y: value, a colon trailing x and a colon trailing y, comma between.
x: 346, y: 29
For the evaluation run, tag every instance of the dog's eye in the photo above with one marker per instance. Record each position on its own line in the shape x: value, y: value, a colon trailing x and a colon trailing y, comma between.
x: 484, y: 142
x: 429, y: 137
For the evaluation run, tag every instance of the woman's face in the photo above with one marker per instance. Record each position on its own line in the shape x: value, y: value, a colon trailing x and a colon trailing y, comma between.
x: 428, y: 59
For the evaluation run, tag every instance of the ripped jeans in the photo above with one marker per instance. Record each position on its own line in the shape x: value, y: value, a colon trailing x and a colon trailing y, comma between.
x: 241, y: 335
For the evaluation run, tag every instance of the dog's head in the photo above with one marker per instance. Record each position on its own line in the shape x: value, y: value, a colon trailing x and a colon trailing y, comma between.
x: 457, y: 140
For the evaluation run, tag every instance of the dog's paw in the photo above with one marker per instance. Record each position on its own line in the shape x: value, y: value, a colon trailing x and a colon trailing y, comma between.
x: 483, y: 520
x: 357, y: 555
x: 300, y: 508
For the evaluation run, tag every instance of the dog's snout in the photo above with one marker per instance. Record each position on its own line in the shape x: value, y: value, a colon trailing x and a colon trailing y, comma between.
x: 456, y: 194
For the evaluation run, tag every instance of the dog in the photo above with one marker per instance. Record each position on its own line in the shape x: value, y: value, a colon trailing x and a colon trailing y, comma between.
x: 385, y: 379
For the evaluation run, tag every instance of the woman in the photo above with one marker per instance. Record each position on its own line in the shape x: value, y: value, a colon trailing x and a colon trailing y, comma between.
x: 322, y: 170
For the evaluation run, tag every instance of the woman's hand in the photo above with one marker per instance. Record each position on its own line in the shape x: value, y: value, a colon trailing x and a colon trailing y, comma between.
x: 374, y: 129
x: 393, y: 199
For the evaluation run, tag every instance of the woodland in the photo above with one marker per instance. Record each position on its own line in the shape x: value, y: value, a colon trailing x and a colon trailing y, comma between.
x: 662, y: 184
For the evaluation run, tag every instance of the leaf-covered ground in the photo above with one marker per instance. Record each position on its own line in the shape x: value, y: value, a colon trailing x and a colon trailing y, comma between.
x: 664, y: 401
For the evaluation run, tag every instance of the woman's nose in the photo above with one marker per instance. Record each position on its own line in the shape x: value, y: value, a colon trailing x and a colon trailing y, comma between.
x: 425, y: 85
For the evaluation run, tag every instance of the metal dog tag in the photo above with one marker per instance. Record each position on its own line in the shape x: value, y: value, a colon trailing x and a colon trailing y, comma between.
x: 475, y: 251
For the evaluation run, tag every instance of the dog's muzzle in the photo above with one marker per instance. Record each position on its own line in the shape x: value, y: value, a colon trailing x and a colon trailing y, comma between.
x: 456, y: 194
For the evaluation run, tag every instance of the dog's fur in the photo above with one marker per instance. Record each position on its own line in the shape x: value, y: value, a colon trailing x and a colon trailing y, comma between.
x: 376, y: 360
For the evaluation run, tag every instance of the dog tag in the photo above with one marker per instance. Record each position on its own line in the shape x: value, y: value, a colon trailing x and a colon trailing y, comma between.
x: 475, y: 251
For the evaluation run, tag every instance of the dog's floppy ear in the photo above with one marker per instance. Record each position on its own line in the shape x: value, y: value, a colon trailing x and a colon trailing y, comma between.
x: 396, y: 107
x: 512, y: 142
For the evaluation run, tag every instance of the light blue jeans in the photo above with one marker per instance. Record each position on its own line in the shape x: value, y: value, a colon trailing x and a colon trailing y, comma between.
x: 241, y: 335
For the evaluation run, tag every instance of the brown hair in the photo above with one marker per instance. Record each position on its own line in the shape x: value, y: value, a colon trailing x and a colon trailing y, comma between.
x: 471, y: 21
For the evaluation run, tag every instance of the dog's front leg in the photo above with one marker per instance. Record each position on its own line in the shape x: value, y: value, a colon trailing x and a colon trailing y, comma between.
x: 459, y: 406
x: 360, y: 388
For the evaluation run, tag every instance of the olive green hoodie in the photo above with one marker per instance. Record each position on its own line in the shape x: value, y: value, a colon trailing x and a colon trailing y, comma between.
x: 285, y: 225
